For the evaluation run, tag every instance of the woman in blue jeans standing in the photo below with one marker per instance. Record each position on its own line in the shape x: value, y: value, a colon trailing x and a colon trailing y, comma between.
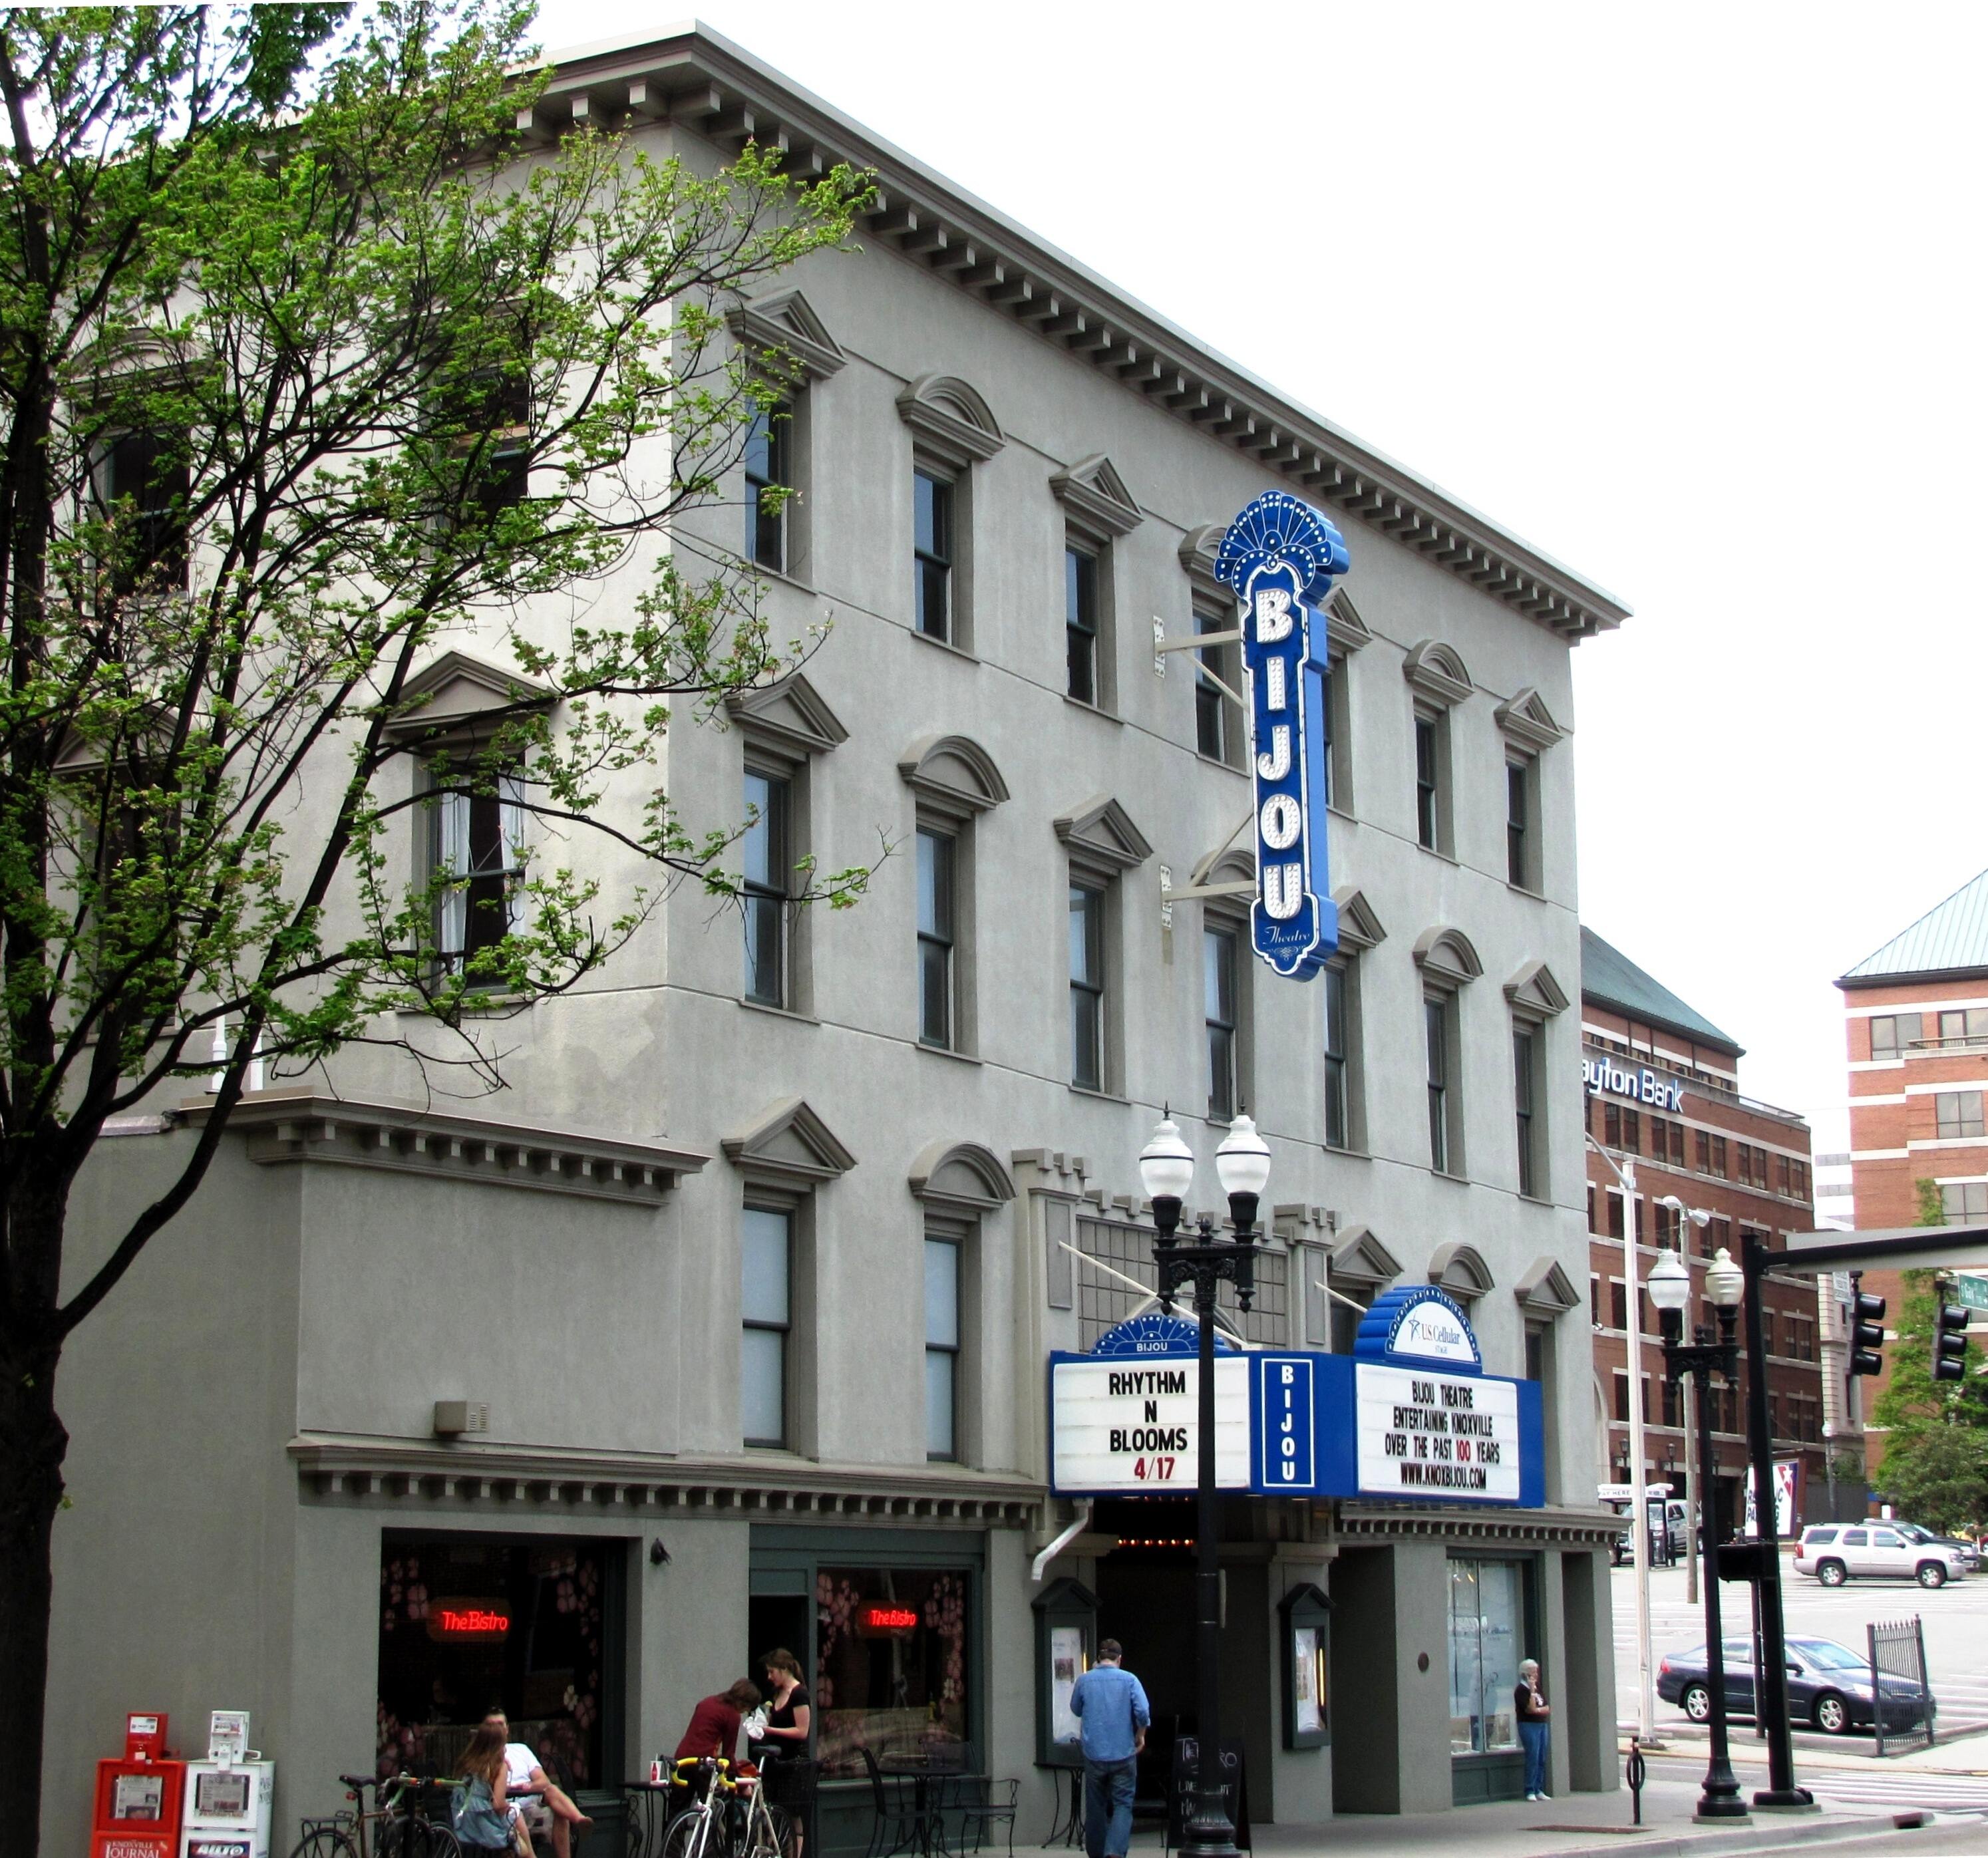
x: 1532, y: 1710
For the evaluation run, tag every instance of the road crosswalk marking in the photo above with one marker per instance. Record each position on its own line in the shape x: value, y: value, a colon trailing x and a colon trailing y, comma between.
x: 1897, y: 1787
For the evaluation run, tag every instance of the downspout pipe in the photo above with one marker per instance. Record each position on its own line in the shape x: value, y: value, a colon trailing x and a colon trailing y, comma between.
x: 1063, y: 1542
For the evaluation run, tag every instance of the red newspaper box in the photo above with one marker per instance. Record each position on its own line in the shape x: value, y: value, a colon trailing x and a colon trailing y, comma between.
x: 137, y: 1814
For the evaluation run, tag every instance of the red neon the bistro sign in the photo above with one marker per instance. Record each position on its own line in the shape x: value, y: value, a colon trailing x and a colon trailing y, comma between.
x: 888, y: 1619
x: 467, y: 1620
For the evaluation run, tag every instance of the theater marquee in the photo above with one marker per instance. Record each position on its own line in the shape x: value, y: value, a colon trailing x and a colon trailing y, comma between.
x: 1408, y: 1415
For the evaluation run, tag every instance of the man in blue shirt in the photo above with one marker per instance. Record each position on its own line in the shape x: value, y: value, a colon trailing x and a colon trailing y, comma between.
x: 1112, y: 1704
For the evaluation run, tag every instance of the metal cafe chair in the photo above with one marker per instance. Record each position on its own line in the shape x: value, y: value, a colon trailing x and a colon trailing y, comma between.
x: 893, y: 1826
x: 980, y: 1816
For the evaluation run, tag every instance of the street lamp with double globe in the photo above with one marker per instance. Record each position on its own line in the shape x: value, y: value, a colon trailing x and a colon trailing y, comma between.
x: 1669, y: 1285
x: 1697, y: 1476
x: 1166, y: 1171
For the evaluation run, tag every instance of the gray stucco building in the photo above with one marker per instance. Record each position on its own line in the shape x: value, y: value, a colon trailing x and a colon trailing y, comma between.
x: 757, y: 1264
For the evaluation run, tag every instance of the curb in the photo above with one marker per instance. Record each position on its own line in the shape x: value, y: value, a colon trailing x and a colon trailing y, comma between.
x: 1764, y: 1837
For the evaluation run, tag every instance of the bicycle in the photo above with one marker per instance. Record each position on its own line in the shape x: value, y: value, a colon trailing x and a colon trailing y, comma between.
x: 728, y: 1816
x: 399, y: 1831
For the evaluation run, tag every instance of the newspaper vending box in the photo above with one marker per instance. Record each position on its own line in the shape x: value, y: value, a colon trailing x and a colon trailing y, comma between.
x: 137, y: 1809
x: 229, y: 1795
x: 228, y: 1808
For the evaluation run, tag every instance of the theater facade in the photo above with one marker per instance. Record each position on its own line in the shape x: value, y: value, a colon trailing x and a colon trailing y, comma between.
x: 733, y: 1322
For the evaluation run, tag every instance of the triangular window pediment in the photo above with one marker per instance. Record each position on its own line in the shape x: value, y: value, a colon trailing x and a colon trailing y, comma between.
x: 789, y: 336
x: 791, y: 715
x: 457, y: 691
x: 789, y: 1143
x: 1534, y: 990
x: 1525, y: 718
x: 1095, y: 496
x: 950, y: 419
x: 1359, y: 1258
x: 1102, y: 831
x: 1359, y: 927
x: 1546, y: 1290
x: 1344, y: 625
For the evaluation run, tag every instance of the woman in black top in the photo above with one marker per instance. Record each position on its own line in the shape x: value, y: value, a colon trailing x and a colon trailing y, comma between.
x: 790, y: 1732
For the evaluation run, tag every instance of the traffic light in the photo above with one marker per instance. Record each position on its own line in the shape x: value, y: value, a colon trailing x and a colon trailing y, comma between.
x: 1867, y: 1330
x: 1949, y: 1341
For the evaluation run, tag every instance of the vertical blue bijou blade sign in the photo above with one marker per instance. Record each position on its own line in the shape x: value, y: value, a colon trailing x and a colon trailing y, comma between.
x: 1280, y: 558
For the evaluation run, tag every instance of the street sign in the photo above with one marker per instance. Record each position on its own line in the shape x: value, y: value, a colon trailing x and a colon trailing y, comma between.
x: 1971, y: 1292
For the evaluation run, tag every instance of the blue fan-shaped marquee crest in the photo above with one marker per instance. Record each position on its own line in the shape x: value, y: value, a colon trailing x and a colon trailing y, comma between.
x: 1157, y: 1332
x: 1278, y: 527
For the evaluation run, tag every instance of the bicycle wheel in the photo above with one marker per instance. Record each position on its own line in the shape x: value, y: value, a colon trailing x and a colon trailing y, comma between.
x: 770, y: 1832
x: 325, y: 1842
x: 690, y: 1834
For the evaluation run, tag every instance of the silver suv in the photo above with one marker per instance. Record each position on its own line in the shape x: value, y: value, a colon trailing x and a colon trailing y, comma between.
x: 1833, y: 1552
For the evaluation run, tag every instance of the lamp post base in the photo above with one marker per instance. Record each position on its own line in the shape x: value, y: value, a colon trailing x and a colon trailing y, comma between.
x: 1785, y: 1799
x: 1719, y: 1806
x: 1208, y: 1833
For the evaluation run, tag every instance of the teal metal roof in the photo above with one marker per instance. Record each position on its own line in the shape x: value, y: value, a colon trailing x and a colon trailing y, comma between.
x: 1610, y: 978
x: 1951, y: 936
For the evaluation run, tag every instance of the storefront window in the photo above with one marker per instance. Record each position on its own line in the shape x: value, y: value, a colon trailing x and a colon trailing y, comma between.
x: 469, y: 1626
x: 1486, y: 1627
x: 890, y: 1670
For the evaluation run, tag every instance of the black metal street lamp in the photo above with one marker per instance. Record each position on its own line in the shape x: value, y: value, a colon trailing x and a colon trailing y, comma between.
x: 1166, y: 1171
x: 1770, y: 1703
x: 1670, y: 1291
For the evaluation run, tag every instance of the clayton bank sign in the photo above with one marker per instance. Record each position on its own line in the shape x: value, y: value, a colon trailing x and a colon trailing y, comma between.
x: 1280, y: 557
x: 1641, y: 1087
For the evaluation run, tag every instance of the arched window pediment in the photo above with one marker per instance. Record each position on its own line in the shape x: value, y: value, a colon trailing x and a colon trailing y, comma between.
x: 1459, y: 1268
x: 1438, y: 671
x: 950, y: 419
x: 953, y: 771
x: 1447, y: 955
x: 960, y: 1177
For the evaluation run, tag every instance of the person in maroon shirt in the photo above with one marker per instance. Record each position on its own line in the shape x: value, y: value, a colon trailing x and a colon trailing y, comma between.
x: 715, y: 1722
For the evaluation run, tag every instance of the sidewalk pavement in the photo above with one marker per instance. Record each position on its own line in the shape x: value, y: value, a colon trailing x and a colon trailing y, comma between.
x: 1576, y: 1826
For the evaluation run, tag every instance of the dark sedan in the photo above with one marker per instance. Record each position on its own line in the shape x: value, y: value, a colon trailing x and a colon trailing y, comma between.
x: 1829, y: 1687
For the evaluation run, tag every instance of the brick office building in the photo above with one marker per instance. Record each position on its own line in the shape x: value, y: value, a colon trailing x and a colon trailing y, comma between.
x: 1916, y: 1024
x: 1662, y: 1092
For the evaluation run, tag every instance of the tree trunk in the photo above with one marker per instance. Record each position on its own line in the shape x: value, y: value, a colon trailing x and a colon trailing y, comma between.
x: 33, y: 1444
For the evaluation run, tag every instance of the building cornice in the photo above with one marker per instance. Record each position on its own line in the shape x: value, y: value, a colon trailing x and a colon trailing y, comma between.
x: 657, y: 1484
x: 1357, y: 1521
x: 692, y: 77
x: 305, y: 1125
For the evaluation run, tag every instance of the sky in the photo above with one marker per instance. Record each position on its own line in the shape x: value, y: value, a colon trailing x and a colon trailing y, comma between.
x: 1688, y: 297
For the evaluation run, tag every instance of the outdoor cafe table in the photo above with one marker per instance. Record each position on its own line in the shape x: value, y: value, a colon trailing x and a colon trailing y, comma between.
x: 928, y: 1813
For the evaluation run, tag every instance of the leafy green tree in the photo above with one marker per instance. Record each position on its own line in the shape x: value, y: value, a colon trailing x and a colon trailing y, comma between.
x: 1937, y: 1475
x: 308, y: 370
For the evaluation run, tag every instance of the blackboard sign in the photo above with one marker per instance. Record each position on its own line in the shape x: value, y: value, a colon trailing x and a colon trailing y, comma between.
x: 1186, y: 1776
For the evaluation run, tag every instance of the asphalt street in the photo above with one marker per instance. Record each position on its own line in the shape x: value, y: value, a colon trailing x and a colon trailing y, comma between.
x: 1956, y: 1619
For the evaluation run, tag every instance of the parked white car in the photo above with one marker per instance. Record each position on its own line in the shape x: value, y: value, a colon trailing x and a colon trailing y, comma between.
x: 1833, y: 1552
